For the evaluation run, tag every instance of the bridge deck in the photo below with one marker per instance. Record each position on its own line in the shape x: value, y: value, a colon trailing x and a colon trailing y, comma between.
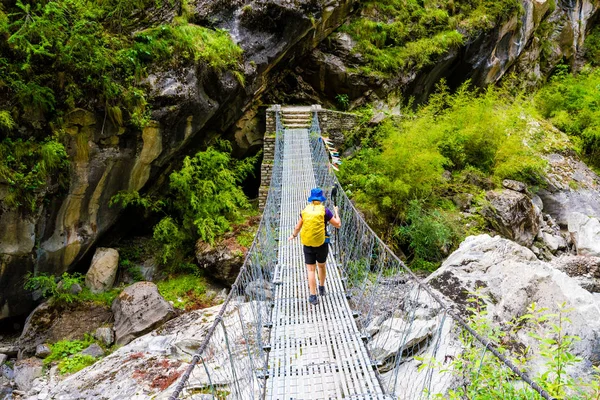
x: 316, y: 351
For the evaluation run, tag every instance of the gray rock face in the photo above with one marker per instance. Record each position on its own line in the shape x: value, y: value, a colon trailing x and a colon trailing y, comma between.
x: 42, y: 351
x: 515, y: 185
x: 513, y: 278
x: 585, y: 232
x: 26, y: 371
x: 572, y: 187
x: 3, y: 358
x: 513, y: 215
x: 93, y: 350
x: 106, y: 335
x: 139, y: 309
x: 103, y: 271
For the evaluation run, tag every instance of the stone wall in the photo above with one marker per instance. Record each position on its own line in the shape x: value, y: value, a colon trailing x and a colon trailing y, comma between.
x: 335, y: 123
x: 266, y: 167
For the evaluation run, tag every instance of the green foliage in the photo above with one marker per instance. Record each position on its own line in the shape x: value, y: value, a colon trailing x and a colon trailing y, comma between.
x: 204, y: 201
x: 571, y: 104
x: 592, y: 46
x: 73, y: 53
x: 27, y: 166
x: 186, y: 292
x: 486, y: 377
x: 67, y: 353
x: 396, y: 35
x: 403, y: 160
x: 429, y: 235
x: 343, y: 101
x: 49, y: 286
x: 6, y: 121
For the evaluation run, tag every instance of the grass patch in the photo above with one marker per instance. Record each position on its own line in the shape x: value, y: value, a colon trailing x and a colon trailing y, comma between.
x: 66, y: 353
x: 186, y: 292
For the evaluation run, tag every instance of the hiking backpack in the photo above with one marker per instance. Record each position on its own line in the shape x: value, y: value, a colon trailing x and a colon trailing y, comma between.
x: 313, y: 225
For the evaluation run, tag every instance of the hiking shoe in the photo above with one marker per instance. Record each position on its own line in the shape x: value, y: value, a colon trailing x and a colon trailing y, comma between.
x: 322, y: 290
x: 312, y: 299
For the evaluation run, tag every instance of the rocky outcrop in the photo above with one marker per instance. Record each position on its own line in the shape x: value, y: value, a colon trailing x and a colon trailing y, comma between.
x: 585, y: 270
x: 149, y: 366
x: 571, y: 187
x: 511, y: 278
x: 103, y: 271
x: 222, y: 260
x: 50, y: 322
x: 513, y: 214
x: 517, y: 44
x: 585, y: 232
x: 26, y: 371
x: 138, y: 310
x: 186, y: 104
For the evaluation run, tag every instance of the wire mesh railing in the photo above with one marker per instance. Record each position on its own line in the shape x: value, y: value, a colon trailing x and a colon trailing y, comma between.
x: 232, y: 359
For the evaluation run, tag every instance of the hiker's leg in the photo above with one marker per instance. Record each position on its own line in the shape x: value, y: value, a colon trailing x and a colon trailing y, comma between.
x: 312, y: 281
x: 322, y: 273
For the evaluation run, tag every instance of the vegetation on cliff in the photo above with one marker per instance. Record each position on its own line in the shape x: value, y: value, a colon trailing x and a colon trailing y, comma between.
x: 64, y: 54
x: 394, y: 35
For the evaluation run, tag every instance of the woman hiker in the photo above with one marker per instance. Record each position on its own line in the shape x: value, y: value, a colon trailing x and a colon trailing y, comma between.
x: 313, y: 222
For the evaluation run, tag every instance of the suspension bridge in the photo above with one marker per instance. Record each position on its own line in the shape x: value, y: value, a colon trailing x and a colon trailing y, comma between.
x: 369, y: 335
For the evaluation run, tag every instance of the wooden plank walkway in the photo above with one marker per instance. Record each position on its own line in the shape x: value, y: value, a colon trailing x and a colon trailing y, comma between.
x: 316, y: 351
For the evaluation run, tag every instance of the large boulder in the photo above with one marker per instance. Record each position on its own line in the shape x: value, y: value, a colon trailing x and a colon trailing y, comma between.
x: 103, y: 271
x: 51, y: 322
x: 512, y: 278
x: 513, y: 215
x: 571, y: 187
x: 223, y: 259
x: 150, y: 366
x: 585, y: 232
x: 139, y: 309
x: 26, y: 371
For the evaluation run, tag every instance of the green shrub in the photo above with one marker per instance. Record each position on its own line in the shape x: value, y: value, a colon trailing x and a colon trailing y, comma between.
x: 49, y: 286
x: 67, y: 353
x: 428, y: 234
x: 570, y: 103
x: 395, y: 35
x: 484, y: 376
x: 204, y: 201
x: 592, y: 46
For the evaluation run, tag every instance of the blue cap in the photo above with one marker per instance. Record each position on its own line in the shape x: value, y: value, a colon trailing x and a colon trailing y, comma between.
x: 316, y: 194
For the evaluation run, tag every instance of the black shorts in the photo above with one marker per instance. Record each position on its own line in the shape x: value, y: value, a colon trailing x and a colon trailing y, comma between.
x: 318, y: 254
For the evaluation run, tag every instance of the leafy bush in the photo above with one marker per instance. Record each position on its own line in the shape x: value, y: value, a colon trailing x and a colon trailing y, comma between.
x: 204, y: 201
x: 27, y: 166
x: 570, y: 103
x: 429, y: 235
x: 592, y: 46
x: 479, y: 369
x: 67, y: 353
x: 49, y: 286
x: 487, y: 134
x: 60, y: 289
